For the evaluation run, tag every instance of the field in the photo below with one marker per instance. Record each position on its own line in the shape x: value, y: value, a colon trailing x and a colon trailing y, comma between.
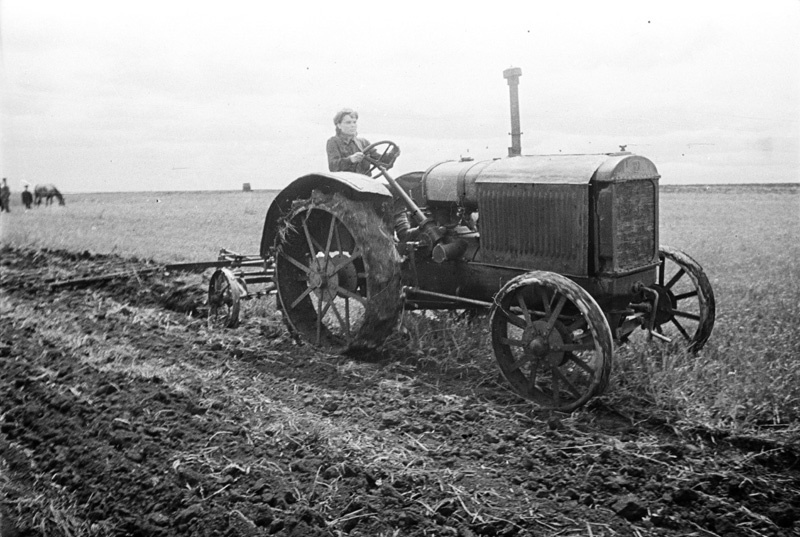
x: 176, y: 429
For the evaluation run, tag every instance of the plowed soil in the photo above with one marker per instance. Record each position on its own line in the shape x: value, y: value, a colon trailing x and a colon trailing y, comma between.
x: 122, y: 413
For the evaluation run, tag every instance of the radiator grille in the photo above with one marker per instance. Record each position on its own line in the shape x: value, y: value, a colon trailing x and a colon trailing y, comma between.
x: 635, y: 236
x: 538, y: 227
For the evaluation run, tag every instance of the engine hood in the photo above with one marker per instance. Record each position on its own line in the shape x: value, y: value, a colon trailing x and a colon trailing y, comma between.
x: 457, y: 181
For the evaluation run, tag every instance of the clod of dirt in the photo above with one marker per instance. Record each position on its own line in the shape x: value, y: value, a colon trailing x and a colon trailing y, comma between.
x: 122, y: 415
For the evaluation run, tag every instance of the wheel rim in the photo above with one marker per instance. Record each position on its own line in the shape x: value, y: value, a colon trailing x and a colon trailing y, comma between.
x: 333, y: 290
x: 551, y: 341
x: 224, y: 299
x: 686, y: 306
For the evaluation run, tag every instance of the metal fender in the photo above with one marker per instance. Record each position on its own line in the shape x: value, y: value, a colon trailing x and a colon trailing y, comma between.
x: 354, y: 185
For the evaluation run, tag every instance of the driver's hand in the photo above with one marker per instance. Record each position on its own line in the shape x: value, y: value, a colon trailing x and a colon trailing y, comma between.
x: 356, y: 157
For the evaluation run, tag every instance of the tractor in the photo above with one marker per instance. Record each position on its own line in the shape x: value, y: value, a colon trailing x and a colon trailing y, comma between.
x: 561, y: 250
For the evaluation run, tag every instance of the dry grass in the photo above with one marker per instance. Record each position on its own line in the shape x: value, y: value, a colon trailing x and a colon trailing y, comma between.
x: 748, y: 375
x: 163, y: 226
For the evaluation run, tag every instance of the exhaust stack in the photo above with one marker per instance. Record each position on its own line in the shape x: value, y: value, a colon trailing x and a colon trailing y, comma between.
x: 512, y: 75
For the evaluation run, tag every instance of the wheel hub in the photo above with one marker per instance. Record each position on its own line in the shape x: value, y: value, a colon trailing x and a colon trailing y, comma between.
x: 323, y: 278
x: 666, y: 303
x: 544, y: 345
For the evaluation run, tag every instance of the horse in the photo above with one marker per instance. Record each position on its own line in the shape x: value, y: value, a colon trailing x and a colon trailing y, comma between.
x: 46, y: 192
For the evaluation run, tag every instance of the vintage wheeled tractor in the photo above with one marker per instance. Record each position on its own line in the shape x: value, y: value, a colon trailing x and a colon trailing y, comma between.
x: 562, y: 250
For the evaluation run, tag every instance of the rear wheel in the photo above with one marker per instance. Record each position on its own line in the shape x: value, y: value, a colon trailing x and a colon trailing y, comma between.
x: 337, y: 273
x: 551, y: 340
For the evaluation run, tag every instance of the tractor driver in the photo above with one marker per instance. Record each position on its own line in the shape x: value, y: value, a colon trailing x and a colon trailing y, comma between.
x: 346, y: 149
x: 345, y: 154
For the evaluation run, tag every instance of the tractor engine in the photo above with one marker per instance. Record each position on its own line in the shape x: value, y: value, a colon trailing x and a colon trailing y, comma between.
x: 578, y: 215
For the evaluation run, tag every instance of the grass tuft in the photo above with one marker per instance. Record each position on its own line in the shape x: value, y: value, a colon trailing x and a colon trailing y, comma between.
x: 746, y: 378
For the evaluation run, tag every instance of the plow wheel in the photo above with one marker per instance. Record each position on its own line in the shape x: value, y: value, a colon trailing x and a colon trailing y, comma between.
x: 338, y: 274
x: 551, y: 340
x: 686, y: 305
x: 224, y: 300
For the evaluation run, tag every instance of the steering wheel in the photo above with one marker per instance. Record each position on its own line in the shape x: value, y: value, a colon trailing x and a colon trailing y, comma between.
x: 386, y: 158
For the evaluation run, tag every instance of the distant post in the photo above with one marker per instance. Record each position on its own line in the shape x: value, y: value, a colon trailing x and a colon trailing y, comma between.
x: 512, y: 75
x: 246, y: 187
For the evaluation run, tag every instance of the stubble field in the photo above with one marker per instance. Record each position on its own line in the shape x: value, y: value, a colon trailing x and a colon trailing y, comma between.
x: 121, y: 413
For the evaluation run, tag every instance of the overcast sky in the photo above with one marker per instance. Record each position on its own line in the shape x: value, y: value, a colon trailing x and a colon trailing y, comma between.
x: 177, y: 95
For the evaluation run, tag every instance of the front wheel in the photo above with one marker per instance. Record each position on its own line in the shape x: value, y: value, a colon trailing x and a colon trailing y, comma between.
x: 551, y: 340
x: 686, y: 306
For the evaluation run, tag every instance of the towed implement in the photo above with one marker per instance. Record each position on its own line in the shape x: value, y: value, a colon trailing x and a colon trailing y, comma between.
x: 561, y: 250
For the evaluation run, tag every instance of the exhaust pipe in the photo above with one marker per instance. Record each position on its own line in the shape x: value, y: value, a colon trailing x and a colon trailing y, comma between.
x: 512, y: 75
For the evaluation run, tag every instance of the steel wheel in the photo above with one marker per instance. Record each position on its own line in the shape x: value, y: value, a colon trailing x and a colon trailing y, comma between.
x: 686, y: 305
x: 338, y: 273
x: 224, y: 300
x: 551, y: 340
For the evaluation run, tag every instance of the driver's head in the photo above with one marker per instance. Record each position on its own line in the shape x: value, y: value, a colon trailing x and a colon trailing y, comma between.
x: 346, y: 121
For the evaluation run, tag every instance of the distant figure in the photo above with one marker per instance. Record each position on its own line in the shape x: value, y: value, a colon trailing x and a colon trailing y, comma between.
x: 27, y: 198
x: 5, y: 197
x: 46, y: 192
x: 346, y: 149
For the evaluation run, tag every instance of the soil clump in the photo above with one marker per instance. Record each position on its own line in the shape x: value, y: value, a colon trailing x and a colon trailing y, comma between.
x: 122, y: 413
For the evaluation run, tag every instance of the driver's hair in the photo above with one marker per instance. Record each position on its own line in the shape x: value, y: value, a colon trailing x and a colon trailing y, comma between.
x: 340, y: 116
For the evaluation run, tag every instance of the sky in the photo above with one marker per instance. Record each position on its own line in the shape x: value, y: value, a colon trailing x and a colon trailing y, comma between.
x: 104, y: 96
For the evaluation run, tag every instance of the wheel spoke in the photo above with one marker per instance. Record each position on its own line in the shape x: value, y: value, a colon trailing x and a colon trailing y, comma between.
x: 350, y: 260
x: 662, y: 265
x: 300, y: 298
x: 524, y: 308
x: 326, y: 308
x: 689, y: 294
x: 347, y: 313
x: 545, y: 300
x: 350, y: 294
x: 678, y: 275
x: 319, y: 321
x: 513, y: 319
x: 681, y: 329
x: 338, y: 240
x: 295, y: 262
x: 328, y: 243
x: 556, y: 388
x: 686, y: 315
x: 534, y: 372
x: 218, y: 297
x: 322, y: 309
x: 307, y: 233
x: 554, y: 314
x: 344, y: 323
x: 571, y: 387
